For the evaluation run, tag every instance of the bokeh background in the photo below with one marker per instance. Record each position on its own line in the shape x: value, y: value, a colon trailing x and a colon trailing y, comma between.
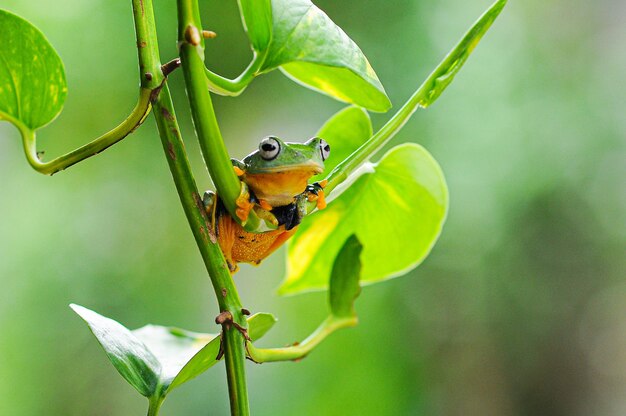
x: 520, y: 309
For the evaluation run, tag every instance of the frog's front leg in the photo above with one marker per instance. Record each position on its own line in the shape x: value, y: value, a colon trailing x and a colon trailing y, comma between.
x: 315, y: 192
x: 244, y: 203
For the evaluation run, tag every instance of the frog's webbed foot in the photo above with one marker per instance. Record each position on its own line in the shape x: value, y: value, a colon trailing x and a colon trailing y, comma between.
x: 244, y: 203
x: 315, y: 192
x: 288, y: 215
x: 291, y: 215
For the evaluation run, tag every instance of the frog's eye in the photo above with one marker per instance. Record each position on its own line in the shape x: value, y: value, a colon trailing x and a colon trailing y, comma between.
x: 325, y: 149
x: 269, y: 148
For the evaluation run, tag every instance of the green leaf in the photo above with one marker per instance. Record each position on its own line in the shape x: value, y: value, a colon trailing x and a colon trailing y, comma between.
x: 445, y: 72
x: 206, y: 348
x: 257, y: 20
x: 345, y: 132
x: 344, y: 279
x: 132, y: 359
x: 182, y: 354
x: 259, y: 324
x: 308, y: 46
x: 32, y: 77
x: 396, y: 208
x: 156, y: 359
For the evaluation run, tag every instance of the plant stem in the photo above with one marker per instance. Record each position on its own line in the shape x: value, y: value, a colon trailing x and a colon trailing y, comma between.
x: 29, y: 139
x: 223, y: 285
x: 154, y: 405
x: 296, y: 352
x: 425, y: 95
x: 234, y: 87
x: 211, y: 142
x: 203, y: 232
x: 150, y: 79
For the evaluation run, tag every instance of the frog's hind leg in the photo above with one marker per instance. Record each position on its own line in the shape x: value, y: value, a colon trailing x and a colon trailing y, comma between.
x: 226, y: 230
x: 224, y: 227
x: 280, y: 240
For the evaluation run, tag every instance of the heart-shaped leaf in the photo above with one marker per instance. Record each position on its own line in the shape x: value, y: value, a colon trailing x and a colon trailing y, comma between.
x: 345, y: 132
x: 396, y: 208
x: 344, y: 279
x: 310, y: 48
x: 156, y: 359
x: 32, y: 77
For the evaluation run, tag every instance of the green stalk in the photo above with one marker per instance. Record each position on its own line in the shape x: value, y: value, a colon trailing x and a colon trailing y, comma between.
x: 211, y: 142
x: 154, y: 405
x: 134, y: 120
x: 234, y: 87
x: 226, y: 182
x: 425, y: 95
x: 150, y: 79
x: 223, y: 285
x: 301, y: 350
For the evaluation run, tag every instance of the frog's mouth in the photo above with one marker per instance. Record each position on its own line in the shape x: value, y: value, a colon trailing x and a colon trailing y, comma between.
x: 311, y: 166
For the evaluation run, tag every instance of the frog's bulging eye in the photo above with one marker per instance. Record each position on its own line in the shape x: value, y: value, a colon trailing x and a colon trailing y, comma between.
x: 325, y: 149
x: 269, y: 148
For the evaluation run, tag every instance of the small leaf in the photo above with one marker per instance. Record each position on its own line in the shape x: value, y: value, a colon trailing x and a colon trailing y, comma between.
x: 259, y: 324
x: 156, y: 359
x: 132, y: 359
x: 396, y: 208
x: 204, y: 359
x: 310, y: 48
x: 175, y: 349
x: 345, y: 132
x: 257, y: 20
x: 344, y: 279
x: 32, y: 77
x: 445, y: 72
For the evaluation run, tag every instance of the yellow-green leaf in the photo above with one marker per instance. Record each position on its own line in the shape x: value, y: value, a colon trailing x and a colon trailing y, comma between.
x: 32, y: 77
x: 396, y: 208
x: 310, y: 48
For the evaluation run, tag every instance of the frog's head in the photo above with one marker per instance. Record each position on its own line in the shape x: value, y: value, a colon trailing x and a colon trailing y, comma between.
x: 274, y: 156
x: 278, y: 171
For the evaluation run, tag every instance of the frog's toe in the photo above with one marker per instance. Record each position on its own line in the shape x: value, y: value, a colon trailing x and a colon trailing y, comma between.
x: 232, y: 266
x: 321, y: 200
x: 265, y: 205
x: 244, y: 206
x: 315, y: 192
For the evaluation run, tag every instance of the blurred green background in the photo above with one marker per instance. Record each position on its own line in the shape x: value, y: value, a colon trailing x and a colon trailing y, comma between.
x: 520, y: 309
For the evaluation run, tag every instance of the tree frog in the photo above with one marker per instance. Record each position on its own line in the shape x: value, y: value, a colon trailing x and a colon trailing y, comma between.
x: 275, y: 184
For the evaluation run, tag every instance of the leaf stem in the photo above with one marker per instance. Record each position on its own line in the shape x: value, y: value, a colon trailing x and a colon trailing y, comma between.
x: 154, y: 405
x: 301, y: 350
x: 151, y: 77
x: 233, y: 87
x: 134, y: 120
x: 425, y: 95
